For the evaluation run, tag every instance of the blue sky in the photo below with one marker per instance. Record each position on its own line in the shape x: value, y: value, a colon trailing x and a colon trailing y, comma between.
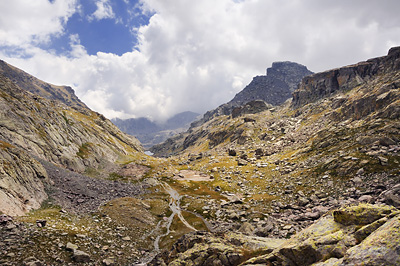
x: 156, y: 58
x: 110, y: 30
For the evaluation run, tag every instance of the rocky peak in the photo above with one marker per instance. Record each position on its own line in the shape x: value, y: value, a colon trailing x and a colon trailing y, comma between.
x: 324, y: 84
x: 275, y: 87
x: 288, y: 72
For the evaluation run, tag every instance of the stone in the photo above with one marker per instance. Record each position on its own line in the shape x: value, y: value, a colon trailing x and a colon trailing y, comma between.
x: 109, y: 262
x: 80, y: 256
x: 361, y: 214
x: 246, y: 228
x: 365, y: 198
x: 232, y: 152
x: 71, y: 247
x: 379, y: 248
x: 241, y: 162
x: 392, y: 196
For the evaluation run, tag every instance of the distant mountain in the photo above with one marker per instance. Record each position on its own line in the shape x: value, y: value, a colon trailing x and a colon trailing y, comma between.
x: 150, y: 133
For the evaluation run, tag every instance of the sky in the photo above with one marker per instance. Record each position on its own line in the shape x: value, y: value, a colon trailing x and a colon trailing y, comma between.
x: 156, y: 58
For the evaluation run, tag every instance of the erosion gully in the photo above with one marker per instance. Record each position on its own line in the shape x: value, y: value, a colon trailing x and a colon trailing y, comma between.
x: 174, y: 206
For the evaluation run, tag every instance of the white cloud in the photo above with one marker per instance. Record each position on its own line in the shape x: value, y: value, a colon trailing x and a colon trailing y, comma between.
x: 195, y: 55
x: 23, y: 23
x: 104, y: 10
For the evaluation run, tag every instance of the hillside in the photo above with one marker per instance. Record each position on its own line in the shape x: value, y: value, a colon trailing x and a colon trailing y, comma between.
x: 32, y: 127
x: 29, y: 83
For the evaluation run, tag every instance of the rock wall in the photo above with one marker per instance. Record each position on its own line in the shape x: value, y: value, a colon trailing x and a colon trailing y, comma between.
x: 324, y: 84
x: 22, y: 181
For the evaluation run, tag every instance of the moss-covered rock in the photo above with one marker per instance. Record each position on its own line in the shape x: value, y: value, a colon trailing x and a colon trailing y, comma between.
x: 361, y: 214
x: 333, y: 239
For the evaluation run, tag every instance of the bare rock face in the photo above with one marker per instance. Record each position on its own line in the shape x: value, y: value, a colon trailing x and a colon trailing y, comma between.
x: 327, y: 83
x: 275, y: 87
x: 22, y: 181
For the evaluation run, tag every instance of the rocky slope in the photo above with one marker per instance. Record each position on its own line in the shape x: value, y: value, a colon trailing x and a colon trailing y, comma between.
x: 23, y: 80
x: 150, y: 133
x: 22, y: 181
x: 70, y: 136
x: 75, y: 138
x: 336, y: 143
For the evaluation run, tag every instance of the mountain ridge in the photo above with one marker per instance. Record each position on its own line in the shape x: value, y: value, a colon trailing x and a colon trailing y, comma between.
x: 150, y: 133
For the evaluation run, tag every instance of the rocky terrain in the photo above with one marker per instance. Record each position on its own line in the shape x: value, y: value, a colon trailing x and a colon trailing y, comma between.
x: 312, y: 181
x: 150, y: 133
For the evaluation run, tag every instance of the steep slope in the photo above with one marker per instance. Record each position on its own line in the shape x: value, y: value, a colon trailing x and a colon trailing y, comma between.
x: 35, y: 127
x: 22, y: 181
x: 58, y: 133
x: 29, y: 83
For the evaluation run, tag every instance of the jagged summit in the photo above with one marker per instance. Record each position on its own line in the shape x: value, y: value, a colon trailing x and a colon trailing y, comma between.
x: 274, y: 88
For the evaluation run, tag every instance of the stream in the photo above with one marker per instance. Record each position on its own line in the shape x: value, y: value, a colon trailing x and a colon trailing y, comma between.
x: 174, y: 205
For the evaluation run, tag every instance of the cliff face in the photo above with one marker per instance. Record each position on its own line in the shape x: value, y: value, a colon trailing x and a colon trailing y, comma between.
x: 327, y: 83
x: 22, y: 181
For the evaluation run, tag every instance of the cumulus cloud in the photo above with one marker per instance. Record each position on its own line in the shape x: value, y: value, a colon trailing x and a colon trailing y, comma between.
x: 104, y: 10
x: 23, y: 23
x: 195, y: 55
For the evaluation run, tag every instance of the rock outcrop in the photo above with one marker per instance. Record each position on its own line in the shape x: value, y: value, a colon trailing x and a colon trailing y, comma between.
x: 23, y: 80
x: 325, y: 84
x: 22, y: 181
x: 355, y: 235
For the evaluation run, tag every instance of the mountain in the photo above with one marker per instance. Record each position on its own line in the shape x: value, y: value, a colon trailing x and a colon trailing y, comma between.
x: 274, y: 88
x: 261, y: 94
x: 56, y: 127
x: 150, y: 133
